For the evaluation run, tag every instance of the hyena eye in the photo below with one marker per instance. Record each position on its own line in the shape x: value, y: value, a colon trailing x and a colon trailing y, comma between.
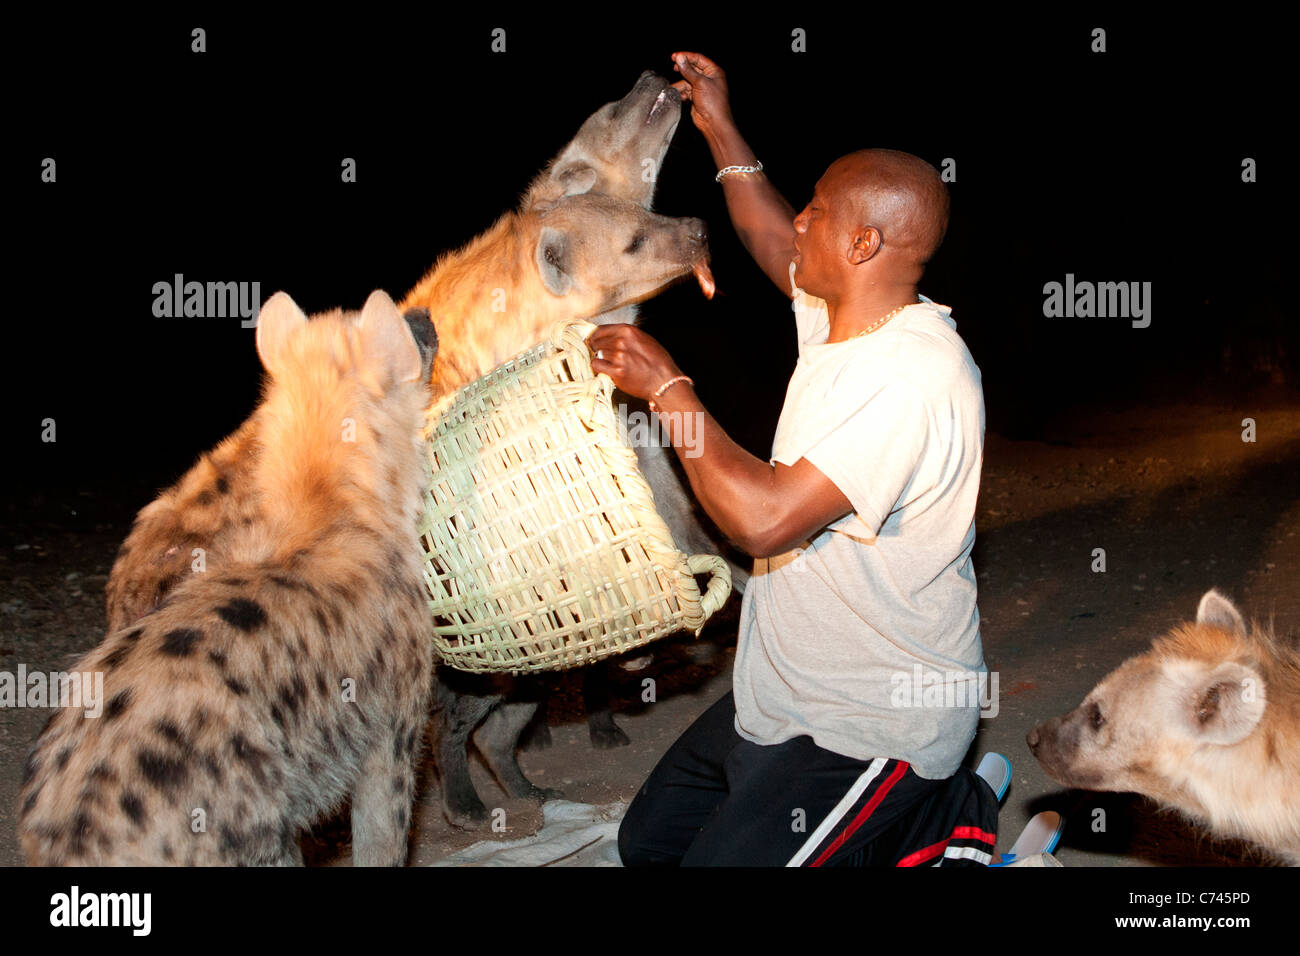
x: 637, y: 241
x: 1095, y: 717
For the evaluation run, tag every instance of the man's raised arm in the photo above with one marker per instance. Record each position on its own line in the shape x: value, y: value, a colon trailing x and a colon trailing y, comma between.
x: 763, y: 219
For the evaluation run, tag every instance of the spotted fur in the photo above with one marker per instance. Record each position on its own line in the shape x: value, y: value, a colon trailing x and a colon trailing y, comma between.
x: 257, y: 699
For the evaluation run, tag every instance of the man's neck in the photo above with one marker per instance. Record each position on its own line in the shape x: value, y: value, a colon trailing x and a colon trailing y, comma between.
x: 862, y: 309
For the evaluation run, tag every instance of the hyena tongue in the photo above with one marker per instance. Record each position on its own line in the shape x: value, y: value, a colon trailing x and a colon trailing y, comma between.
x: 705, y: 278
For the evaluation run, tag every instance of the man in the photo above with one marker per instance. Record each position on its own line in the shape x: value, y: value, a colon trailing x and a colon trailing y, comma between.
x: 862, y: 525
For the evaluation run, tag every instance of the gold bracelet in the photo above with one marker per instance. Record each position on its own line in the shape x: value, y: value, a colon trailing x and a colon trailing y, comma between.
x: 665, y: 386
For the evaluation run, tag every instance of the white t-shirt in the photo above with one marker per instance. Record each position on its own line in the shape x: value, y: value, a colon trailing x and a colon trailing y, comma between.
x: 867, y: 638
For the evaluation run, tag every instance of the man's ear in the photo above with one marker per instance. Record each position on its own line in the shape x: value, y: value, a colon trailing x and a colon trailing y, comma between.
x: 279, y: 319
x: 552, y: 261
x: 864, y: 244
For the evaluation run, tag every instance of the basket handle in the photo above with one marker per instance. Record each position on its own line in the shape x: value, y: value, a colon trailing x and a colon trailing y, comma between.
x: 719, y: 587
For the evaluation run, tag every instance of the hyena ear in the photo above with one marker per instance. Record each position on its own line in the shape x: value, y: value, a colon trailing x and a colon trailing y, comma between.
x: 387, y: 340
x: 1224, y: 706
x: 420, y: 323
x: 568, y: 177
x: 575, y: 178
x: 279, y: 319
x: 552, y: 255
x: 1217, y: 611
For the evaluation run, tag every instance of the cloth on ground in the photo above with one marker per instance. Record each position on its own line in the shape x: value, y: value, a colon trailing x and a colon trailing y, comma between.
x: 572, y: 834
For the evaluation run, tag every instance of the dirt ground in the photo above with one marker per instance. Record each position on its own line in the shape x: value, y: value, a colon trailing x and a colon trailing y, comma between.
x: 1175, y: 497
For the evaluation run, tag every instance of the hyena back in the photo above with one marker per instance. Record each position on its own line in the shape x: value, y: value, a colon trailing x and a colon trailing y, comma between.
x: 190, y: 526
x: 257, y: 698
x: 1206, y: 722
x: 187, y: 526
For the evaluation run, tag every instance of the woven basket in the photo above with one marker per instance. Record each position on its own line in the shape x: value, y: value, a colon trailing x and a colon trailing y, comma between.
x: 542, y: 546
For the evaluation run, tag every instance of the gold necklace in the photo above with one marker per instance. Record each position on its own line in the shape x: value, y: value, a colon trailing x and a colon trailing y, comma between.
x: 882, y: 320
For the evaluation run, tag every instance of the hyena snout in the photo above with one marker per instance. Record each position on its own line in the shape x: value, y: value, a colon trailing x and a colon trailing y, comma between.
x: 688, y: 239
x: 648, y: 82
x: 1041, y: 738
x: 1045, y: 743
x: 652, y: 97
x: 1032, y: 738
x: 1056, y: 745
x: 696, y: 254
x: 697, y: 232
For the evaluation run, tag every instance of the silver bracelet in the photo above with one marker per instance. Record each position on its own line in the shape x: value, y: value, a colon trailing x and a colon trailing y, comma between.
x: 728, y: 170
x: 659, y: 392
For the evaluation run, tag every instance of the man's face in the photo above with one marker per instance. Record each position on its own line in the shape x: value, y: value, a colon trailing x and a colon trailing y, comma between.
x: 819, y: 246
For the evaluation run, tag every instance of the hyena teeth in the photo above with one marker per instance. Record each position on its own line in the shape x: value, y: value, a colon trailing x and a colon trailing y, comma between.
x: 658, y: 103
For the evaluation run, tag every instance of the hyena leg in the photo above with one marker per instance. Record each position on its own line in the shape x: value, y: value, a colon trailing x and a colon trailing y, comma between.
x: 381, y: 806
x: 537, y: 733
x: 455, y: 716
x: 497, y: 741
x: 596, y: 692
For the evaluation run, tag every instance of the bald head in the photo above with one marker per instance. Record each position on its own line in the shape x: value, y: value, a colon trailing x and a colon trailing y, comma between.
x: 901, y: 195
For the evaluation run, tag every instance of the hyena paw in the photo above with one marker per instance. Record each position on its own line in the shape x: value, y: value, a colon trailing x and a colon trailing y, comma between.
x: 542, y: 794
x: 608, y: 737
x: 465, y: 815
x: 537, y: 737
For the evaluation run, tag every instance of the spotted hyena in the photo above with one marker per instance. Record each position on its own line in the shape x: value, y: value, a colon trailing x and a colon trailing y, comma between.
x: 256, y: 698
x: 581, y: 244
x: 190, y: 526
x: 1206, y: 722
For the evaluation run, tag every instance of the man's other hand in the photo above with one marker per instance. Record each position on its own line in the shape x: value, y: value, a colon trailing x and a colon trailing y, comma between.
x: 635, y: 361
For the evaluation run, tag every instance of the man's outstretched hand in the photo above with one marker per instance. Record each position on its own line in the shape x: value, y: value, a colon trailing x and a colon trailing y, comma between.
x: 635, y: 361
x: 704, y: 85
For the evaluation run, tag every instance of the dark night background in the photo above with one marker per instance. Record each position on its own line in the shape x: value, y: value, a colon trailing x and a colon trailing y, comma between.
x: 1116, y: 167
x: 1122, y: 166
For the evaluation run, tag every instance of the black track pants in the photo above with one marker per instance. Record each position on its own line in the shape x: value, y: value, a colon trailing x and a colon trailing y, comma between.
x: 716, y: 799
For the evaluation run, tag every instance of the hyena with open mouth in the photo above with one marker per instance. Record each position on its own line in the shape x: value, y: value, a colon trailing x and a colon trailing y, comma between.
x: 256, y: 698
x: 1206, y: 722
